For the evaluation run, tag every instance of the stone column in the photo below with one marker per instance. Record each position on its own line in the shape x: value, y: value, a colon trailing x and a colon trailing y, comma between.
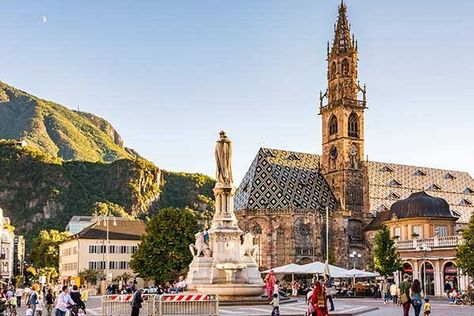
x: 438, y: 278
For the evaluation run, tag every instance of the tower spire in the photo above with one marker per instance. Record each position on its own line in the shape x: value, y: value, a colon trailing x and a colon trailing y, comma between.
x: 342, y: 33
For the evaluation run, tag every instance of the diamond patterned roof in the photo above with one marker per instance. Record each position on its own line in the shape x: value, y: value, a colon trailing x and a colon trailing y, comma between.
x: 279, y: 179
x: 453, y: 186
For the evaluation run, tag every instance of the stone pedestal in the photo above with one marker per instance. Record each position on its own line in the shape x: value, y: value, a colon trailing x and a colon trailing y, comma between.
x: 198, y: 272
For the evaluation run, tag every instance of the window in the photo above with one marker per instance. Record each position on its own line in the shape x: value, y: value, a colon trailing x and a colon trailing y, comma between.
x: 393, y: 196
x: 465, y: 202
x: 281, y: 241
x: 353, y: 125
x: 468, y: 191
x: 111, y: 249
x: 92, y: 249
x: 256, y: 231
x: 333, y: 70
x: 434, y: 187
x: 345, y: 67
x: 386, y: 169
x: 397, y: 232
x: 419, y: 173
x: 417, y: 231
x: 133, y: 249
x: 333, y: 125
x: 449, y: 176
x: 441, y: 231
x: 394, y: 183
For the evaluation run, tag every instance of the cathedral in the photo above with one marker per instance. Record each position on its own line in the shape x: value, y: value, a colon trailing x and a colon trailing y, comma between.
x: 284, y: 195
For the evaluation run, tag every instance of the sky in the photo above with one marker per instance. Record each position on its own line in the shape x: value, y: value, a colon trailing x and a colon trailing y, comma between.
x: 169, y: 75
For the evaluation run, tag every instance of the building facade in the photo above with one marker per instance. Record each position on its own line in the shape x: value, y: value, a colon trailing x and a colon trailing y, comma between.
x: 90, y: 249
x: 280, y: 203
x: 426, y: 240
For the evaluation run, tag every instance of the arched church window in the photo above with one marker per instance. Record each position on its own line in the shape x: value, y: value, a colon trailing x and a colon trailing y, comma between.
x: 280, y: 246
x: 353, y: 125
x: 256, y: 231
x: 333, y: 70
x: 345, y: 67
x: 333, y: 125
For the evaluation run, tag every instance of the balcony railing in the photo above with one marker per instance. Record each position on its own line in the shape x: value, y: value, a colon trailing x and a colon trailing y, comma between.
x: 436, y: 242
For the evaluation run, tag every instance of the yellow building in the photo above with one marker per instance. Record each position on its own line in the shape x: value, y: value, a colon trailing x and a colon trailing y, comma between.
x: 89, y: 249
x: 424, y: 228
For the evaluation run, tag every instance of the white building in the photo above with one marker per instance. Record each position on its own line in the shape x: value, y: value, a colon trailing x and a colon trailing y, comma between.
x: 89, y: 249
x: 6, y: 247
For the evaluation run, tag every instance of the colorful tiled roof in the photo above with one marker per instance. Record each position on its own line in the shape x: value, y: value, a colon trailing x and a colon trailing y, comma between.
x: 279, y: 179
x: 390, y: 182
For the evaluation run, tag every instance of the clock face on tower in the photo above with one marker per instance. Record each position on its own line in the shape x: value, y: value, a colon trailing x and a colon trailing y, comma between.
x: 333, y: 152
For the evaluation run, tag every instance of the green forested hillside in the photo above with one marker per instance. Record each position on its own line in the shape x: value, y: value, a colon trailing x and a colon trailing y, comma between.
x: 38, y: 190
x: 57, y: 130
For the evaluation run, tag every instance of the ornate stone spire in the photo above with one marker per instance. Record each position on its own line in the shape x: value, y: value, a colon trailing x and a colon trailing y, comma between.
x: 342, y: 37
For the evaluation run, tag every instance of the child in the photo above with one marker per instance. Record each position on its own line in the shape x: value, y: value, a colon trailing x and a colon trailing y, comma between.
x: 29, y: 311
x: 427, y: 307
x: 276, y: 305
x: 39, y: 307
x: 80, y: 312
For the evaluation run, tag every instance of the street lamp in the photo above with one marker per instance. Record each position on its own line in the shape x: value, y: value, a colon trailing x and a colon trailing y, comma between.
x: 425, y: 249
x: 354, y: 255
x: 104, y: 220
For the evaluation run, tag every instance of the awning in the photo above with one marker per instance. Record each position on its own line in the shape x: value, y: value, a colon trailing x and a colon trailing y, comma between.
x: 356, y: 273
x: 320, y: 268
x: 291, y: 268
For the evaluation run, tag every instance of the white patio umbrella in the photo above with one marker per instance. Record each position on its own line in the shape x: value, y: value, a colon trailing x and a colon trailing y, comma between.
x: 321, y: 268
x: 291, y: 268
x: 361, y: 273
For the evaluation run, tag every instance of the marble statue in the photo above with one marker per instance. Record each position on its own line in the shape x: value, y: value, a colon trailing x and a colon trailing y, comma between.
x: 200, y: 247
x: 223, y: 159
x: 248, y: 247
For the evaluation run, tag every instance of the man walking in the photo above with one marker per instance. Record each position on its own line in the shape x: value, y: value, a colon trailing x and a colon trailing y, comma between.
x: 405, y: 295
x: 137, y: 302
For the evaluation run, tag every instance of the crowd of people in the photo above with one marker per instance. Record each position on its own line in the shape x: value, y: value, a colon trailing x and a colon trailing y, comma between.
x: 44, y: 300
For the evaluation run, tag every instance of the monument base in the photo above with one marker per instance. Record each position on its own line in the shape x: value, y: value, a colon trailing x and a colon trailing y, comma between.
x: 232, y: 292
x: 199, y: 271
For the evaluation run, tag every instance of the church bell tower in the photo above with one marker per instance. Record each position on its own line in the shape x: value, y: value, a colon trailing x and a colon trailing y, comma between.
x: 342, y: 108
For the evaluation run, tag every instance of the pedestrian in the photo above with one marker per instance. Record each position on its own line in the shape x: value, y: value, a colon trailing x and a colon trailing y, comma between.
x: 295, y: 285
x: 40, y: 306
x: 19, y: 294
x: 276, y: 305
x: 84, y: 294
x: 330, y: 291
x: 385, y: 291
x: 270, y: 284
x: 318, y: 299
x: 416, y: 296
x: 12, y: 304
x: 29, y: 310
x: 34, y: 298
x: 63, y: 302
x: 49, y: 298
x: 76, y: 297
x: 394, y: 293
x: 137, y: 301
x: 427, y: 307
x: 405, y: 294
x: 448, y: 289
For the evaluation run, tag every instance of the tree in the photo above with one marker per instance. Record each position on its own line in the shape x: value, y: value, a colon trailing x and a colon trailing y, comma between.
x: 386, y: 259
x: 45, y: 248
x: 164, y: 249
x: 92, y: 276
x: 465, y: 255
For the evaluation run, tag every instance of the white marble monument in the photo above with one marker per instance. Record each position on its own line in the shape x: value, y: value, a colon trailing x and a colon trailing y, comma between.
x: 223, y: 264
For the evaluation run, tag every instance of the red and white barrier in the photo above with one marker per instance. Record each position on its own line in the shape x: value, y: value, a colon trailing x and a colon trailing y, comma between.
x: 185, y: 298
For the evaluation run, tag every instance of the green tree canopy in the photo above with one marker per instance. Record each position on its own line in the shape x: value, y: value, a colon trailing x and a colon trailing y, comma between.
x: 164, y: 250
x: 45, y: 248
x: 386, y: 259
x: 465, y: 256
x: 92, y: 276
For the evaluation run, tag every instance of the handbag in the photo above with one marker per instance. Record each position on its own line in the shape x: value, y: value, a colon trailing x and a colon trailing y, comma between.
x: 404, y: 298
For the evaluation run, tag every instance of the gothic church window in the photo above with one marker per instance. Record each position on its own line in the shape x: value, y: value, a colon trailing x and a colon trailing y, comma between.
x: 345, y: 67
x: 256, y: 231
x: 333, y: 70
x: 333, y: 125
x: 465, y: 202
x: 353, y: 125
x: 281, y: 241
x: 468, y: 191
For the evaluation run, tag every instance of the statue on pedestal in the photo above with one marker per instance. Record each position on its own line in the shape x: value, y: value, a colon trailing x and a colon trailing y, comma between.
x: 223, y: 159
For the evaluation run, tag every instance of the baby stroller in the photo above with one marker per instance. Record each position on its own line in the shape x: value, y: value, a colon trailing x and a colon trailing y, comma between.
x: 73, y: 310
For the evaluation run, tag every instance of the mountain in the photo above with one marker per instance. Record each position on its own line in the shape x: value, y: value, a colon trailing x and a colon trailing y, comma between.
x: 57, y: 130
x: 56, y: 163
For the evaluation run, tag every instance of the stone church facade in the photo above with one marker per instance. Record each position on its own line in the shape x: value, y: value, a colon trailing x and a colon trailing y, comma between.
x: 283, y: 197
